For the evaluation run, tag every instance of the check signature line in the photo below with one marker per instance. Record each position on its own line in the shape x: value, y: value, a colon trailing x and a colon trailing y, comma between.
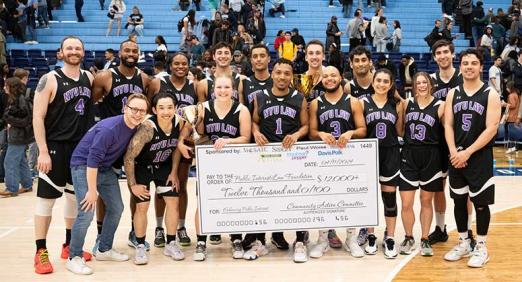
x: 283, y: 196
x: 336, y: 208
x: 341, y: 165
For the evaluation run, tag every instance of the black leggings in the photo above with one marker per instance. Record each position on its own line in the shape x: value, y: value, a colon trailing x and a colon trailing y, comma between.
x: 461, y: 216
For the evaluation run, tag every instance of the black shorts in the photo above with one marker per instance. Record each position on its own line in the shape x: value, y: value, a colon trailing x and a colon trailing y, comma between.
x: 157, y: 174
x: 475, y: 180
x: 444, y: 157
x: 54, y: 183
x: 421, y: 167
x: 389, y: 165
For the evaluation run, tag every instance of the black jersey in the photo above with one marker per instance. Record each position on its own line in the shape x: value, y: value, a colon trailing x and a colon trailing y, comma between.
x: 186, y: 96
x: 358, y: 91
x: 381, y: 121
x: 422, y: 126
x: 469, y: 115
x: 252, y: 86
x: 441, y: 88
x: 122, y: 87
x: 279, y: 116
x: 226, y: 127
x: 210, y: 87
x: 336, y: 118
x: 69, y: 115
x: 319, y: 90
x: 159, y: 149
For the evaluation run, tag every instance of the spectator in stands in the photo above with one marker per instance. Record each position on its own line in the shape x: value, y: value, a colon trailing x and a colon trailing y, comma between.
x: 288, y: 49
x: 407, y: 69
x: 247, y: 11
x: 354, y: 30
x: 78, y: 5
x: 511, y: 46
x: 478, y: 23
x: 335, y: 57
x: 223, y: 34
x: 499, y: 33
x: 197, y: 4
x: 333, y: 34
x: 97, y: 65
x: 280, y: 38
x: 514, y: 109
x: 374, y: 23
x: 237, y: 42
x: 189, y: 23
x: 466, y: 9
x: 347, y: 7
x: 226, y: 14
x: 133, y: 37
x: 515, y: 6
x: 396, y: 36
x: 278, y: 6
x: 241, y: 64
x: 110, y: 59
x: 135, y: 22
x: 43, y: 19
x: 116, y: 10
x: 298, y: 39
x: 3, y: 130
x: 184, y: 4
x: 235, y: 6
x: 516, y: 25
x: 503, y: 19
x: 3, y: 42
x: 384, y: 62
x: 207, y: 57
x: 214, y: 24
x: 517, y: 72
x: 161, y: 52
x: 159, y: 69
x: 486, y: 42
x: 30, y: 12
x: 446, y: 32
x: 102, y: 4
x: 448, y: 8
x: 18, y: 116
x: 197, y: 50
x: 256, y: 27
x: 59, y: 59
x: 495, y: 75
x: 248, y: 42
x: 21, y: 17
x: 381, y: 35
x: 435, y: 34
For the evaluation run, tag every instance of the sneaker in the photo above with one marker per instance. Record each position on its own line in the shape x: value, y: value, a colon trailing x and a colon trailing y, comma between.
x: 331, y: 6
x: 479, y: 257
x: 215, y: 239
x: 282, y: 16
x: 141, y: 255
x: 390, y: 250
x: 461, y: 250
x: 320, y: 247
x: 334, y: 240
x: 362, y: 238
x: 111, y: 255
x: 438, y: 235
x: 42, y: 265
x: 96, y: 244
x: 351, y: 246
x: 511, y: 150
x: 200, y: 254
x: 23, y: 190
x: 134, y: 243
x: 248, y: 241
x: 173, y: 250
x: 77, y: 265
x: 237, y: 249
x: 257, y: 250
x: 159, y: 238
x: 300, y: 252
x: 278, y: 239
x: 407, y: 246
x: 65, y: 253
x: 371, y: 248
x: 472, y: 242
x: 8, y: 194
x: 426, y: 250
x: 183, y: 238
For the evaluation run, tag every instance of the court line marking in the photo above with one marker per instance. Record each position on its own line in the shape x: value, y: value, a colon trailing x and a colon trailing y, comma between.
x: 11, y: 230
x: 449, y: 228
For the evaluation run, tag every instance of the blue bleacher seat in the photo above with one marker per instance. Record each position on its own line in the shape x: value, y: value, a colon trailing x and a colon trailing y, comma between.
x: 35, y: 53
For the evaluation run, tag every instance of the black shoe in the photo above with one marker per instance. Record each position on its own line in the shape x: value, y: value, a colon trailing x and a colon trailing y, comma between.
x: 473, y: 242
x: 438, y: 235
x: 248, y: 241
x: 159, y: 238
x: 278, y: 239
x: 184, y: 239
x: 215, y: 239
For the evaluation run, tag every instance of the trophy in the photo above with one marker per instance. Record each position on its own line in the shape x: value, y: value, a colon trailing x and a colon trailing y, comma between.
x: 190, y: 115
x: 304, y: 83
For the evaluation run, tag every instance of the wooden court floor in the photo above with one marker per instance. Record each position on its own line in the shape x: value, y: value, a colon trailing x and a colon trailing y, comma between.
x: 17, y: 241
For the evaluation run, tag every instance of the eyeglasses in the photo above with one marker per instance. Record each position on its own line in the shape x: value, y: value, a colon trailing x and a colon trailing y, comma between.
x: 135, y: 111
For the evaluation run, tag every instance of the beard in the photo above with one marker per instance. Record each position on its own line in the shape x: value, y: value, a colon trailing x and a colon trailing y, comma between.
x: 333, y: 89
x: 128, y: 64
x: 67, y: 60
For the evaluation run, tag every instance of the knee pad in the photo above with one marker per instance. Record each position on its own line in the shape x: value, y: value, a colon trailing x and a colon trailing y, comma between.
x: 389, y: 200
x: 44, y: 207
x: 70, y: 207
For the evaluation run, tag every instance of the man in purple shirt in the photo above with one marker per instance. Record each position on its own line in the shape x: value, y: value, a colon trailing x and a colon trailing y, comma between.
x: 91, y: 169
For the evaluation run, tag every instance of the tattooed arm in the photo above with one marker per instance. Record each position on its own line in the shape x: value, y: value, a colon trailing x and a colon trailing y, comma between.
x: 44, y: 95
x: 143, y: 135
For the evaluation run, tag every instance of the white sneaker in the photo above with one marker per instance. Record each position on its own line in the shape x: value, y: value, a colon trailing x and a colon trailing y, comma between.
x: 320, y: 247
x: 173, y: 250
x: 480, y: 256
x: 351, y: 246
x: 257, y: 250
x: 300, y: 252
x: 237, y: 249
x: 77, y: 265
x: 111, y: 255
x: 141, y: 255
x: 461, y: 250
x: 390, y: 248
x: 200, y: 254
x: 282, y: 16
x: 371, y: 248
x: 511, y: 150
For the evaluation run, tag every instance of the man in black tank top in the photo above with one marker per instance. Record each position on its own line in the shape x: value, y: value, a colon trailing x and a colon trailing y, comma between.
x: 111, y: 88
x: 260, y: 80
x: 280, y: 116
x: 472, y: 115
x: 335, y: 118
x: 361, y: 84
x: 222, y: 54
x: 446, y: 78
x: 61, y: 116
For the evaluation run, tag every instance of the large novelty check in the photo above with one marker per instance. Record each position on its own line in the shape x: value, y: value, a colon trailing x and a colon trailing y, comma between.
x: 247, y: 188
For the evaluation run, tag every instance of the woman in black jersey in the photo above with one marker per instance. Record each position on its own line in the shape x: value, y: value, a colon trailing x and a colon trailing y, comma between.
x: 149, y: 158
x: 225, y: 121
x: 421, y: 162
x: 384, y: 121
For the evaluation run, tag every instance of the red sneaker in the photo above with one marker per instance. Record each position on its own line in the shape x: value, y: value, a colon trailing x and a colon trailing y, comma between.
x: 65, y: 253
x: 42, y: 265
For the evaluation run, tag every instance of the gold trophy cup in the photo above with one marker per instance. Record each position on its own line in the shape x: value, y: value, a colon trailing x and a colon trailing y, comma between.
x: 190, y: 115
x: 303, y: 83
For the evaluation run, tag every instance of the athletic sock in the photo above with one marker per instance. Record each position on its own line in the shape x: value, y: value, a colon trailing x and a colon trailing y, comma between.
x: 181, y: 223
x: 67, y: 237
x: 463, y: 235
x: 159, y: 221
x: 99, y: 226
x: 140, y: 240
x: 170, y: 238
x: 481, y: 238
x: 41, y: 244
x: 440, y: 218
x: 202, y: 238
